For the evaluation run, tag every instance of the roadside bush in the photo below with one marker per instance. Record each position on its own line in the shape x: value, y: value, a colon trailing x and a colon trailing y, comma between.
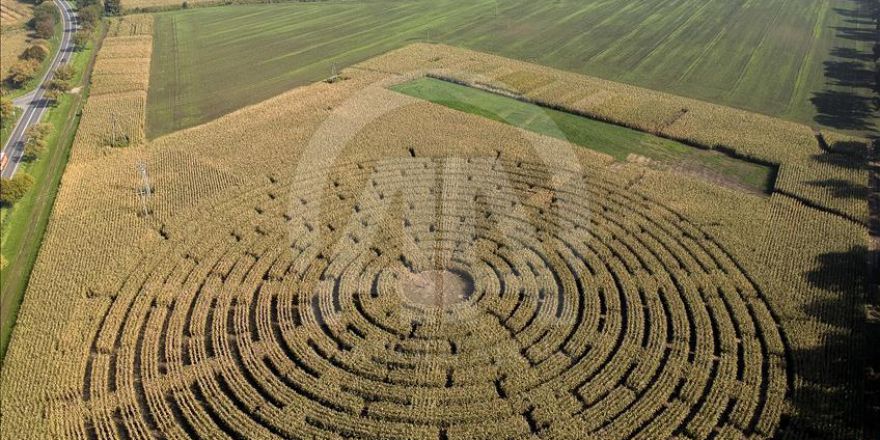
x: 44, y: 10
x: 89, y: 15
x: 23, y: 71
x: 52, y: 96
x: 60, y: 85
x: 112, y: 7
x: 38, y: 50
x: 40, y: 130
x: 12, y: 190
x: 65, y: 72
x: 81, y: 39
x: 35, y: 141
x: 45, y: 16
x: 6, y: 108
x: 34, y: 148
x: 55, y: 89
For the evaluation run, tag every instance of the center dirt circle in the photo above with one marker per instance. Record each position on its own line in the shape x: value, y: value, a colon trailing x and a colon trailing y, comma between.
x: 436, y: 288
x: 308, y: 308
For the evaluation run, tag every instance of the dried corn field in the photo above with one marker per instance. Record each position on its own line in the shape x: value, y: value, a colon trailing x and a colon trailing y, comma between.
x: 14, y: 38
x: 14, y: 13
x: 117, y: 100
x: 343, y: 261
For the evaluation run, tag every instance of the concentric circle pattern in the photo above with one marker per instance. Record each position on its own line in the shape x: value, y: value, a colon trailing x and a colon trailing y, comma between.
x: 437, y: 299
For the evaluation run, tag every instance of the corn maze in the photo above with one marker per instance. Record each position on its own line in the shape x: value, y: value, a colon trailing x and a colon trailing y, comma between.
x: 584, y: 309
x: 441, y: 276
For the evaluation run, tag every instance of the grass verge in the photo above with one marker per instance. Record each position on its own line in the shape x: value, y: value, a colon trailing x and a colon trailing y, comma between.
x: 763, y: 57
x: 6, y: 125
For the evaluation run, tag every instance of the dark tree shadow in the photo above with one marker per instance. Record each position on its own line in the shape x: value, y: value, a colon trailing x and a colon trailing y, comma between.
x: 850, y: 73
x: 852, y: 155
x: 852, y: 54
x: 843, y: 189
x: 850, y: 100
x: 843, y: 110
x: 841, y: 377
x: 829, y: 399
x: 855, y: 33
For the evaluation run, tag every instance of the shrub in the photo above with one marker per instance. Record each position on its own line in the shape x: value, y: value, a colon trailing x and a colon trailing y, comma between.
x: 81, y: 39
x: 40, y: 130
x: 6, y: 108
x: 112, y: 7
x: 52, y: 96
x: 89, y: 15
x: 35, y: 140
x: 65, y: 72
x: 23, y: 71
x: 45, y: 16
x: 12, y: 190
x: 34, y: 148
x: 60, y: 85
x: 39, y: 50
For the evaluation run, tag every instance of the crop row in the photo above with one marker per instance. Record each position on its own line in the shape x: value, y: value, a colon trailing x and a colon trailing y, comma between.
x: 833, y: 177
x: 607, y: 296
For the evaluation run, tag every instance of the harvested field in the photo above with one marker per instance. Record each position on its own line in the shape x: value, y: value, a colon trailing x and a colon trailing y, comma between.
x: 14, y: 13
x: 806, y: 60
x: 344, y: 261
x: 14, y: 37
x: 14, y: 43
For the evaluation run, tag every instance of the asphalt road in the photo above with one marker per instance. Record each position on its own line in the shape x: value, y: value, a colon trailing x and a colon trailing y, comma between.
x: 33, y: 103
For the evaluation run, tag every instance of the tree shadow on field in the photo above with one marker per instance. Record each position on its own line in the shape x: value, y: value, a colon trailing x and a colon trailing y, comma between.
x: 843, y: 189
x: 837, y: 395
x: 850, y: 73
x: 852, y: 54
x: 829, y: 398
x: 843, y: 110
x: 850, y: 98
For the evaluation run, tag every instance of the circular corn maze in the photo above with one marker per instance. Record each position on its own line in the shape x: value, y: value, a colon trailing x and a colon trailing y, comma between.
x: 439, y: 299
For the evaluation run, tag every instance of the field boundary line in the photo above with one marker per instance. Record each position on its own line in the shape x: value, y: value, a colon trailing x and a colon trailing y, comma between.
x: 819, y: 207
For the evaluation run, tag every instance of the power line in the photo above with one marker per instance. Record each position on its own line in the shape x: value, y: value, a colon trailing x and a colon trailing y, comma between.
x: 145, y: 192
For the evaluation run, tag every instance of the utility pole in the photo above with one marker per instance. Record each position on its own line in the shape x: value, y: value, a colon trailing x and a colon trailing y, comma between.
x: 145, y: 192
x: 112, y: 129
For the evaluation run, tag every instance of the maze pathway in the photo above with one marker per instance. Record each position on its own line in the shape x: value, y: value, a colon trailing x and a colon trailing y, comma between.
x: 435, y: 298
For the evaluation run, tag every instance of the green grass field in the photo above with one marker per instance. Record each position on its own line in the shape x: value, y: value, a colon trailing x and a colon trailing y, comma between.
x: 794, y: 59
x: 618, y: 142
